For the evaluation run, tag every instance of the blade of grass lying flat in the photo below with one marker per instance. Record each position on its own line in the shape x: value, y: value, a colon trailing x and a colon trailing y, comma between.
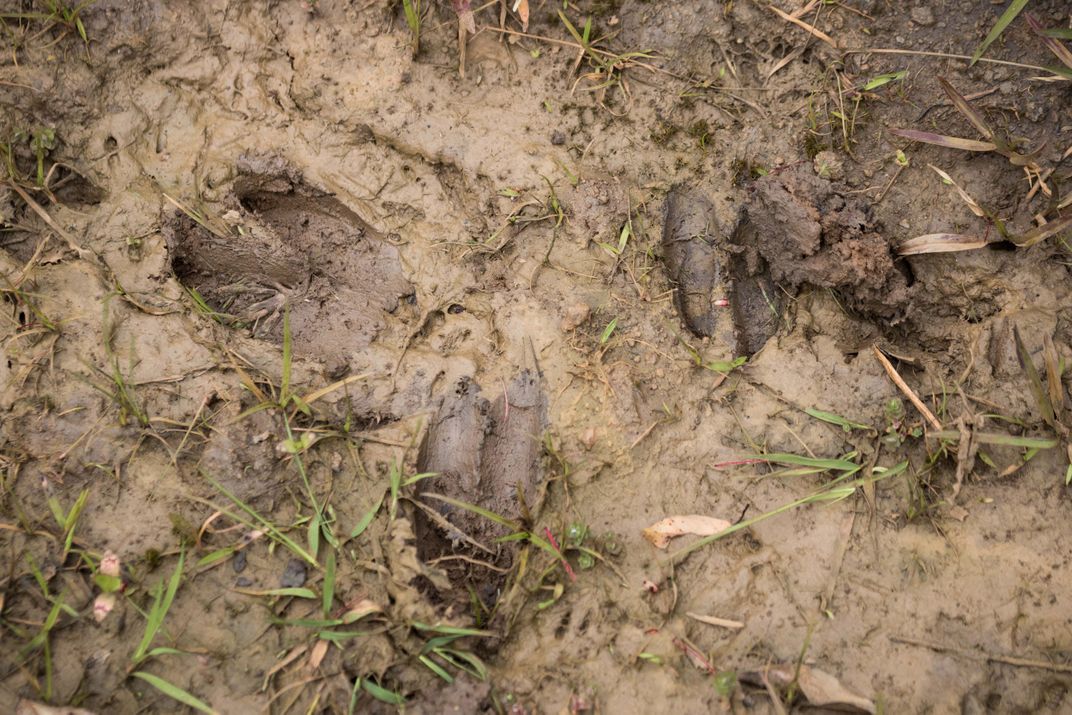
x: 1033, y: 379
x: 832, y: 495
x: 884, y: 79
x: 1007, y: 17
x: 268, y: 526
x: 464, y: 660
x: 174, y: 692
x: 281, y: 592
x: 436, y: 668
x: 1053, y: 44
x: 828, y: 494
x: 795, y: 460
x: 943, y: 140
x: 1043, y: 232
x: 382, y: 694
x: 367, y: 518
x: 940, y: 243
x: 452, y: 630
x: 964, y: 195
x: 1005, y: 440
x: 1061, y: 33
x: 513, y: 526
x: 162, y: 601
x: 328, y: 596
x: 966, y: 109
x: 843, y: 423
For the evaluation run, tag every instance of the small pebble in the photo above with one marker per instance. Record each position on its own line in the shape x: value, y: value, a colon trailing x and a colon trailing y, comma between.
x: 558, y: 138
x: 576, y: 316
x: 243, y: 582
x: 293, y: 574
x: 238, y: 563
x: 922, y: 16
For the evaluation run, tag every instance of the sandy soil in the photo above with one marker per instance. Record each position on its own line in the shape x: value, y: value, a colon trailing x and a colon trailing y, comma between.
x: 387, y: 369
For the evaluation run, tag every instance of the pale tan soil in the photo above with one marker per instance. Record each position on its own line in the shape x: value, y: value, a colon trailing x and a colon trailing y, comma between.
x: 405, y: 217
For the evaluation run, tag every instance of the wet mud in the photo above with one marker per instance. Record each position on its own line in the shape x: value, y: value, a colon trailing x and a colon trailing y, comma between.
x: 285, y: 246
x: 487, y: 454
x: 394, y: 367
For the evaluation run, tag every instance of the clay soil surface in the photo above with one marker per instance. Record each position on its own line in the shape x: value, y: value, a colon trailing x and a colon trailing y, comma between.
x: 339, y: 377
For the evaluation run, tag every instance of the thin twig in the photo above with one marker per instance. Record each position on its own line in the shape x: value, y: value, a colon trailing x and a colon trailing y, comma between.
x: 903, y: 386
x: 804, y: 26
x: 989, y: 657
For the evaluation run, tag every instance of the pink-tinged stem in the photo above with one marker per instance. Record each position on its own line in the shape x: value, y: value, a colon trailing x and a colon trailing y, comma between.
x: 554, y: 545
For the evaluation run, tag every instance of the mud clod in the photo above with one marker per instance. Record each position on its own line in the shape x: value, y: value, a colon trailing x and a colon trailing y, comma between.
x: 809, y: 232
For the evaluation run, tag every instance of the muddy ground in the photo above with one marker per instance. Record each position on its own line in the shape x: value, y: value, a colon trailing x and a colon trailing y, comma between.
x: 355, y: 352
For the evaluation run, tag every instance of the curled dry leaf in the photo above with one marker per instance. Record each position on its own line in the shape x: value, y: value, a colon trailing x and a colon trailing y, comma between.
x: 975, y: 207
x: 359, y: 610
x: 465, y: 15
x: 820, y: 688
x: 660, y: 533
x: 316, y: 655
x: 521, y: 7
x: 940, y: 243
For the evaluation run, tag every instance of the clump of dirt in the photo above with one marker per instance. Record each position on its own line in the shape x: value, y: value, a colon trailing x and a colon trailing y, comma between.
x: 487, y: 454
x: 295, y: 245
x: 809, y: 231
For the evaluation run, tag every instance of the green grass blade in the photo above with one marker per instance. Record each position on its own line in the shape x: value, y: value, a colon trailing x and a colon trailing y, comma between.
x: 162, y: 601
x: 288, y: 348
x: 833, y: 495
x: 280, y: 592
x: 328, y: 597
x: 313, y: 536
x: 367, y: 518
x: 268, y: 526
x: 469, y: 662
x: 215, y: 556
x: 175, y: 692
x: 452, y: 630
x: 1039, y: 392
x: 436, y: 668
x: 419, y: 477
x: 1005, y: 440
x: 845, y: 424
x: 502, y: 520
x: 999, y: 27
x: 608, y: 331
x: 354, y: 693
x: 382, y: 694
x: 795, y: 460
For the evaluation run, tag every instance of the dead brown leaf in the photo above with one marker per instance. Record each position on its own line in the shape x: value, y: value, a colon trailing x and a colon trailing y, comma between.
x: 521, y: 7
x: 661, y: 532
x: 820, y: 688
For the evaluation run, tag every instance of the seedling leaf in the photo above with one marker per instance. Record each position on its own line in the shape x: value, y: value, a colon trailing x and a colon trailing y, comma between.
x: 175, y: 692
x: 999, y: 27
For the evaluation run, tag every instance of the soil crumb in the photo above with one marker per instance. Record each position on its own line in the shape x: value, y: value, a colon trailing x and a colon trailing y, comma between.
x: 810, y: 232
